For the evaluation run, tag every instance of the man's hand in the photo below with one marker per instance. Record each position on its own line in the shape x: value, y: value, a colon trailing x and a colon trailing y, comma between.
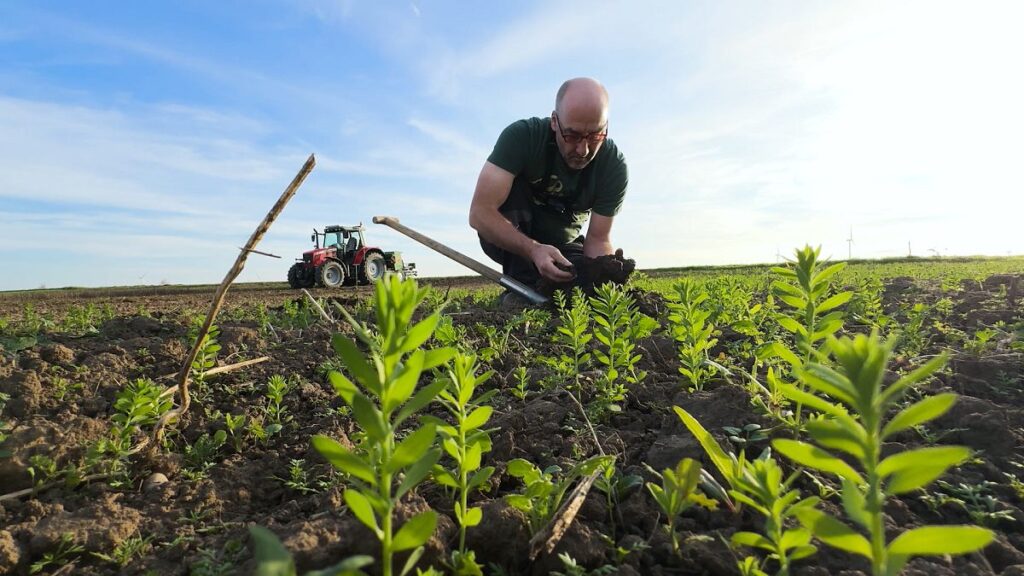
x: 551, y: 264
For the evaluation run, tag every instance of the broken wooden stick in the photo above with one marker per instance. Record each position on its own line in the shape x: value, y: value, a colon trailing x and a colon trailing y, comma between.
x: 218, y: 297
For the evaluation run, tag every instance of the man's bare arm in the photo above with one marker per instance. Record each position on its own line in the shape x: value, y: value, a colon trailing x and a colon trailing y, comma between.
x: 492, y: 189
x: 598, y: 241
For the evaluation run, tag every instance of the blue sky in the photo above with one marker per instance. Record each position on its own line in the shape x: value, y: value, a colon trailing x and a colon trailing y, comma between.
x: 141, y: 142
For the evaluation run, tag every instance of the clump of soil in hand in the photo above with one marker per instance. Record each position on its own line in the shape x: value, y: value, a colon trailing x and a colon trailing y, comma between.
x: 593, y: 272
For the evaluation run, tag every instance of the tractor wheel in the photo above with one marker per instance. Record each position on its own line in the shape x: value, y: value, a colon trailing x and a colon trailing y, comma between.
x: 300, y: 277
x: 373, y: 268
x: 332, y: 274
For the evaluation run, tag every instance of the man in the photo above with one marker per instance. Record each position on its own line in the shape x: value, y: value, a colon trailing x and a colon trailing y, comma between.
x: 543, y: 179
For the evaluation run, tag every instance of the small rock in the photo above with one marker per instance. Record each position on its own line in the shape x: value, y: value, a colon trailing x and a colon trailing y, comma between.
x: 154, y: 482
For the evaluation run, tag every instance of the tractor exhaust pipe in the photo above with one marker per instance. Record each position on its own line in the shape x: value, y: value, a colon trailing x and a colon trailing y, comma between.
x: 487, y: 272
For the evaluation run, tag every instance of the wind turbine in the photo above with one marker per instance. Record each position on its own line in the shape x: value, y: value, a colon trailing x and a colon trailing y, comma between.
x: 849, y: 245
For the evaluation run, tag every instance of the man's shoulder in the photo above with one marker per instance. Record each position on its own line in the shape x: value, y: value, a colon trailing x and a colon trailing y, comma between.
x: 610, y: 155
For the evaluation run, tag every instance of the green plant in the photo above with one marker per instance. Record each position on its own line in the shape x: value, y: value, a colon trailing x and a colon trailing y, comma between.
x: 858, y: 386
x: 615, y: 486
x: 466, y: 441
x: 199, y: 456
x: 677, y: 493
x: 207, y: 355
x: 298, y: 477
x: 814, y: 316
x: 521, y: 382
x: 383, y: 400
x: 761, y: 487
x: 126, y: 550
x: 573, y: 333
x: 692, y: 332
x: 235, y: 425
x: 542, y: 494
x: 66, y: 549
x: 618, y: 326
x: 977, y: 500
x: 911, y: 337
x: 277, y: 388
x: 62, y: 387
x: 273, y: 559
x: 572, y: 568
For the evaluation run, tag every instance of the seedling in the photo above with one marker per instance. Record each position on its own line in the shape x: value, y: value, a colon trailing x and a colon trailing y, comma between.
x: 761, y: 487
x: 692, y: 332
x: 383, y: 396
x: 235, y: 426
x: 805, y: 288
x: 542, y: 494
x: 857, y: 386
x: 298, y: 478
x: 126, y: 550
x: 677, y: 493
x: 618, y: 326
x: 573, y: 333
x: 67, y: 548
x: 615, y: 486
x: 519, y: 373
x: 572, y: 568
x: 277, y: 388
x: 466, y: 441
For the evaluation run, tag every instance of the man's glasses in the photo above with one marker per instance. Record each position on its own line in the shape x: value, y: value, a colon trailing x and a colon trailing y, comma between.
x: 573, y: 138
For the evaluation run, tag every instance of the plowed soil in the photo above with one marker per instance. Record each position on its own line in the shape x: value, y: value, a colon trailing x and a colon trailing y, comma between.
x: 198, y: 523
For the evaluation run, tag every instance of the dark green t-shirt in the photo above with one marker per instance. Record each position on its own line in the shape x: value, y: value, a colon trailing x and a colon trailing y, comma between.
x: 563, y: 197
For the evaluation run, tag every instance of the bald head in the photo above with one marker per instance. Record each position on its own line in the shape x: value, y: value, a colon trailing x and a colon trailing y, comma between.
x: 580, y: 120
x: 582, y: 96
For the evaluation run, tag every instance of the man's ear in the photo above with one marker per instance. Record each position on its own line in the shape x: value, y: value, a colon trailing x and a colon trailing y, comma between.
x: 551, y: 121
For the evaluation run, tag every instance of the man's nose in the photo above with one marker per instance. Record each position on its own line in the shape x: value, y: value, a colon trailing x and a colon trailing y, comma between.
x: 583, y: 148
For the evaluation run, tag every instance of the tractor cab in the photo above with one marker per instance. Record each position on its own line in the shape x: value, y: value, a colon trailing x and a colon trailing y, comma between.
x: 344, y: 239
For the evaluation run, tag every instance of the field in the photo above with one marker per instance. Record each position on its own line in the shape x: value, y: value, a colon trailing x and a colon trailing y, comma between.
x: 299, y: 443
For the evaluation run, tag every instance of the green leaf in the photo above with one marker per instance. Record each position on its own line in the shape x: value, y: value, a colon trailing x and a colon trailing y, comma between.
x: 795, y: 538
x: 473, y: 517
x: 778, y: 349
x: 363, y: 510
x: 719, y: 458
x: 911, y: 479
x: 922, y: 411
x: 437, y: 357
x: 369, y: 417
x: 520, y: 468
x: 420, y: 333
x: 897, y: 387
x: 854, y: 503
x: 412, y: 449
x: 343, y: 459
x: 935, y: 540
x: 753, y: 540
x: 834, y: 533
x: 356, y: 363
x: 936, y: 456
x: 477, y: 418
x: 415, y: 474
x: 480, y: 476
x: 834, y: 301
x: 404, y: 382
x: 342, y: 386
x: 272, y: 558
x: 444, y: 478
x: 814, y: 457
x: 474, y: 455
x: 416, y: 531
x: 419, y: 400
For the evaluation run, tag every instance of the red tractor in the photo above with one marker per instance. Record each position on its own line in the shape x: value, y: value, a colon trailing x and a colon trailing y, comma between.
x: 340, y: 256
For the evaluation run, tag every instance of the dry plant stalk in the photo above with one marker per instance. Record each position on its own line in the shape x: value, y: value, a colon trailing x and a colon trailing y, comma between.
x: 218, y: 298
